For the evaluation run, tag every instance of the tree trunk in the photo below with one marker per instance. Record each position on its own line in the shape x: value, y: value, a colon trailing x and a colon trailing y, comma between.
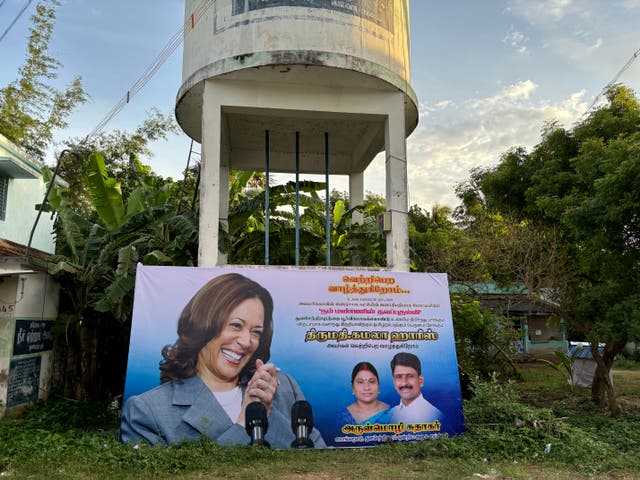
x: 69, y: 370
x: 602, y: 390
x: 70, y: 363
x: 87, y: 386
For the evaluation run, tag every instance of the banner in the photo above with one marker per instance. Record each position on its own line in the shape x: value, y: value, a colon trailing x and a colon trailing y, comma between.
x: 325, y: 323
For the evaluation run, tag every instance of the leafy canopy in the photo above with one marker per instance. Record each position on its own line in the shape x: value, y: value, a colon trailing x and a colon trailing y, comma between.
x: 31, y: 108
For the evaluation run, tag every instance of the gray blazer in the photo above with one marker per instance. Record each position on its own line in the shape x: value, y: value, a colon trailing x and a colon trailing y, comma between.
x: 179, y: 411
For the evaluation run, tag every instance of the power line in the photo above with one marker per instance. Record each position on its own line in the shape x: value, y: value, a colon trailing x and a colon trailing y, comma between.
x: 614, y: 80
x: 26, y: 5
x: 168, y: 50
x: 2, y: 2
x: 176, y: 39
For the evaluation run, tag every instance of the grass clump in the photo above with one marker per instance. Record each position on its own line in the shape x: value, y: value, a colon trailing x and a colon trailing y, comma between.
x: 504, y: 428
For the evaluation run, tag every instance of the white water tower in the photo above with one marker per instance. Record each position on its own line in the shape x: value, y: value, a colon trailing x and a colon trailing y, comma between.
x: 327, y: 69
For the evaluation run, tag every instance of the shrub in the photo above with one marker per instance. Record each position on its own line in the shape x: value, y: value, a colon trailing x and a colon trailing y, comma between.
x: 484, y: 341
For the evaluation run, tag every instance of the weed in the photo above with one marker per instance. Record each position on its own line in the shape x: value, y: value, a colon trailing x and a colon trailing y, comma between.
x: 565, y: 366
x: 59, y: 414
x: 627, y: 362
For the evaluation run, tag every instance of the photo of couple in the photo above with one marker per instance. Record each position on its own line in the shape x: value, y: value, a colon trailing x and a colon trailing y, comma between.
x: 406, y: 371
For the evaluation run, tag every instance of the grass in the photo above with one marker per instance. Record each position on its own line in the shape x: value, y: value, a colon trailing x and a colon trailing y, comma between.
x: 509, y: 426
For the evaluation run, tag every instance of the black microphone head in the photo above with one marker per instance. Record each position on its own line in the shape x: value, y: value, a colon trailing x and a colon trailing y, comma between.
x: 256, y: 416
x: 301, y: 415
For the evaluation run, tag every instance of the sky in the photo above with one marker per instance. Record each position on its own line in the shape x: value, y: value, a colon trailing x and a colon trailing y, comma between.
x: 488, y: 75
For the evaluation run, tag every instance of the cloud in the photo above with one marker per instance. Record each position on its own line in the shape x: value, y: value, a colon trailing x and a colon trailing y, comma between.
x: 518, y: 91
x: 458, y: 136
x: 631, y: 4
x: 516, y: 40
x: 592, y: 36
x: 601, y: 57
x: 547, y: 11
x: 598, y: 43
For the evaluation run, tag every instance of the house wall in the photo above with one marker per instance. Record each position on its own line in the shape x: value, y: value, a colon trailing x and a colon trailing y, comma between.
x: 26, y: 339
x: 542, y: 336
x: 22, y: 197
x: 26, y: 189
x: 8, y: 287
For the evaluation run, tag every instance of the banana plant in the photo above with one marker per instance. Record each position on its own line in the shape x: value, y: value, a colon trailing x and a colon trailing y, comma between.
x: 96, y: 257
x: 565, y: 366
x: 351, y: 244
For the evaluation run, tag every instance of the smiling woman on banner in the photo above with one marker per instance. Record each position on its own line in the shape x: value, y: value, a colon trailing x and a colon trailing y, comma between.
x: 217, y: 366
x: 366, y: 388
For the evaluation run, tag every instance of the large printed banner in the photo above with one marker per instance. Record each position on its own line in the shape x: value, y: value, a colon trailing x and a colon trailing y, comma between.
x: 325, y: 323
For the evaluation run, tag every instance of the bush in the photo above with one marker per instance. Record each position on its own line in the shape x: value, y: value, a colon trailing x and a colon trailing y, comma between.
x: 61, y: 415
x: 503, y: 428
x: 484, y: 341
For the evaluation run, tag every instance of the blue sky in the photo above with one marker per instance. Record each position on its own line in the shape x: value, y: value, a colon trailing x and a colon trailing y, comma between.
x: 488, y: 74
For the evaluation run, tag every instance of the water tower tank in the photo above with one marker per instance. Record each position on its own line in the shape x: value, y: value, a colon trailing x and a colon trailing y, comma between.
x: 305, y: 86
x: 336, y: 44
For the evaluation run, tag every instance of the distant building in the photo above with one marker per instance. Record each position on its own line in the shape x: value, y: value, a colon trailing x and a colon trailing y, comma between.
x: 28, y: 295
x: 542, y: 332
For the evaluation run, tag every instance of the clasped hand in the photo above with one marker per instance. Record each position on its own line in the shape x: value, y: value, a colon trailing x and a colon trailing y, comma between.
x: 261, y: 388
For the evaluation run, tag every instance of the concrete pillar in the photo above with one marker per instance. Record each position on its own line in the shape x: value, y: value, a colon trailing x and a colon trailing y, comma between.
x: 225, y: 173
x: 396, y: 186
x: 211, y: 177
x: 381, y: 110
x: 356, y: 195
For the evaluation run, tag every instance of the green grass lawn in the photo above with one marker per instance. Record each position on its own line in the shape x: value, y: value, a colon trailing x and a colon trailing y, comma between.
x: 509, y: 426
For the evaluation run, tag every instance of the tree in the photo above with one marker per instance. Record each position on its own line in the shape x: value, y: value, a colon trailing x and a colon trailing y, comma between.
x: 122, y: 151
x: 484, y: 340
x: 31, y: 109
x: 95, y: 264
x: 581, y: 189
x: 351, y: 244
x: 436, y: 243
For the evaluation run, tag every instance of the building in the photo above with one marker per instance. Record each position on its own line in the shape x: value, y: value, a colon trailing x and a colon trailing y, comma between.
x: 28, y: 295
x: 542, y: 332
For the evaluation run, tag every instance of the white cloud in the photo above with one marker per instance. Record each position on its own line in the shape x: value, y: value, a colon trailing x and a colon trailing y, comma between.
x: 587, y: 33
x: 443, y: 104
x: 545, y: 11
x: 516, y: 40
x: 456, y: 137
x: 516, y: 91
x: 473, y: 133
x: 599, y: 42
x: 601, y: 56
x: 631, y: 4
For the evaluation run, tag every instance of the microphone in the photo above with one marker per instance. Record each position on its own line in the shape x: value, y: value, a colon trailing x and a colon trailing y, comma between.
x: 256, y: 423
x: 301, y: 424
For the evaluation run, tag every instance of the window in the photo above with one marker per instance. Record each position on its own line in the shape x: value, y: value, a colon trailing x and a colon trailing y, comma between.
x: 4, y: 187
